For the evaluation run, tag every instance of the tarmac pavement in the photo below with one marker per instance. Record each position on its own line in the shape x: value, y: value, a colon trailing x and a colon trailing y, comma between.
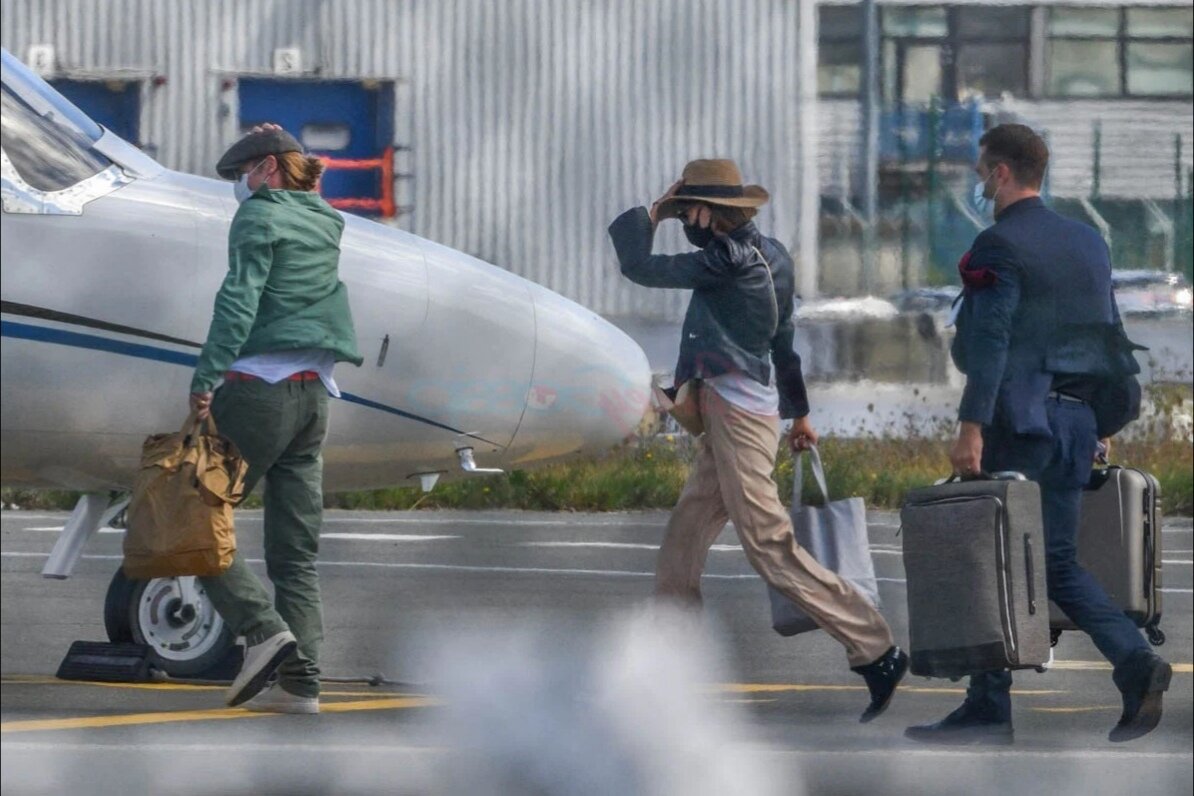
x: 518, y: 673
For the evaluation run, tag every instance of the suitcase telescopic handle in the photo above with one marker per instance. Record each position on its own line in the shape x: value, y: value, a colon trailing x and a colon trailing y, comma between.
x: 982, y: 475
x: 1029, y: 571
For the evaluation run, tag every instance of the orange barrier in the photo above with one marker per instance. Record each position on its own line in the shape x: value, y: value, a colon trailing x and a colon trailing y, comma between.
x: 385, y: 164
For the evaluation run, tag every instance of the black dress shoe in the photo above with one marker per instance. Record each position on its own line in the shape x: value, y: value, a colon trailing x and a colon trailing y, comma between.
x: 1143, y: 679
x: 964, y: 727
x: 882, y: 677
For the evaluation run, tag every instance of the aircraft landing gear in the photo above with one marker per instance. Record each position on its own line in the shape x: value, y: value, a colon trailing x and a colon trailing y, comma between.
x: 174, y: 618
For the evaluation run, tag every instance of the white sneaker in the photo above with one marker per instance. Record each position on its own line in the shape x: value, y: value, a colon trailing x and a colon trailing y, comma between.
x: 261, y: 661
x: 277, y: 699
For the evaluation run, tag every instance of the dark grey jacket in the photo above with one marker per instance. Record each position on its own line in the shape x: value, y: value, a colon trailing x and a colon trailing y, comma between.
x: 734, y: 323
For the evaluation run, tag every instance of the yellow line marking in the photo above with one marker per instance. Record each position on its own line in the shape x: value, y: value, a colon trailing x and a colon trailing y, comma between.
x: 131, y: 719
x: 21, y: 679
x: 1090, y: 709
x: 766, y: 688
x: 88, y: 722
x: 747, y: 688
x: 396, y: 703
x: 29, y: 678
x: 1104, y: 666
x: 771, y: 688
x: 35, y: 680
x: 375, y: 694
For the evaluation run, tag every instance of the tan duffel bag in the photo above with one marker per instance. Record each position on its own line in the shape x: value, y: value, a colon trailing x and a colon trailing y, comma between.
x: 180, y: 516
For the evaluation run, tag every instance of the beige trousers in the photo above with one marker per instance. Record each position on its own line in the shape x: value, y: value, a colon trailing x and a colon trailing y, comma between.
x: 732, y: 479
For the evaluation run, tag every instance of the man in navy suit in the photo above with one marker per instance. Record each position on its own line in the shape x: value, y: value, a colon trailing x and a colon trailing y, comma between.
x: 1037, y: 333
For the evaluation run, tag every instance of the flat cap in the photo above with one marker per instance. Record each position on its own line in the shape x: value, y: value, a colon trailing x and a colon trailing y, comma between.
x: 253, y: 146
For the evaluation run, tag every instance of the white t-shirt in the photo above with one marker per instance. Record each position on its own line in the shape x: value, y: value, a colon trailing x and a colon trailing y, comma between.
x: 274, y: 366
x: 746, y: 393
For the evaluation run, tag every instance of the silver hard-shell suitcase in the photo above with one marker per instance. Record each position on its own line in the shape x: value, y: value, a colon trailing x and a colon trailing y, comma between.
x: 974, y: 554
x: 1119, y: 543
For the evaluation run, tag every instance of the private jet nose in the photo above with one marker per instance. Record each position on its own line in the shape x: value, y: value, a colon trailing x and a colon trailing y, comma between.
x: 590, y: 387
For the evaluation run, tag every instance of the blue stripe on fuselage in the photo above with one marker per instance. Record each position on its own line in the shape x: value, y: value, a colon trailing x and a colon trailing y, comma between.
x: 43, y: 334
x: 25, y: 331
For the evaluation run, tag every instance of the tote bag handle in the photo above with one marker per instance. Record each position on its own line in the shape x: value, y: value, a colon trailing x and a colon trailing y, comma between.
x: 818, y: 475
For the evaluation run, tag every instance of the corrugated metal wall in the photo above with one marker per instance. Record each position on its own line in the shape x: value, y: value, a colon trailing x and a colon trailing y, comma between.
x: 1137, y: 144
x: 531, y: 122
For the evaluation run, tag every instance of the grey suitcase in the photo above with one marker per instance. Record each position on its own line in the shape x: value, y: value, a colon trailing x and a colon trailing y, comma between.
x: 974, y: 554
x: 1119, y: 542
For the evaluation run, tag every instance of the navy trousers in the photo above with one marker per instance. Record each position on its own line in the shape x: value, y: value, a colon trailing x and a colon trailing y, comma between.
x: 1061, y: 465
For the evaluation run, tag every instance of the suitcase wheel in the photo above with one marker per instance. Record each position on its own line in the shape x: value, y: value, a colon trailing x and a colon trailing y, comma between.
x: 1054, y: 636
x: 1156, y: 636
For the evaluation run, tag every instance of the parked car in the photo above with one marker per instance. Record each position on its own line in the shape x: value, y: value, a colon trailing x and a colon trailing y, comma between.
x: 1152, y: 293
x: 933, y: 300
x: 1138, y: 293
x: 845, y: 309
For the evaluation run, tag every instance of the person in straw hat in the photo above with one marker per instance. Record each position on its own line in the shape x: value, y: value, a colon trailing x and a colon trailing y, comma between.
x: 738, y: 366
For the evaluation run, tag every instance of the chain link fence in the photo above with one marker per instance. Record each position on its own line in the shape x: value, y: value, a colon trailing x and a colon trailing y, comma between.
x: 1132, y: 184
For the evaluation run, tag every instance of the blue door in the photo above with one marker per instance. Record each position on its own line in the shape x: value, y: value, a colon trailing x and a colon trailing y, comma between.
x: 115, y: 104
x: 341, y: 119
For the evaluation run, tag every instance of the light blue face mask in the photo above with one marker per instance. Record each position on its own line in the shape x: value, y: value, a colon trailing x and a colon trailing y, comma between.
x: 981, y: 203
x: 241, y: 187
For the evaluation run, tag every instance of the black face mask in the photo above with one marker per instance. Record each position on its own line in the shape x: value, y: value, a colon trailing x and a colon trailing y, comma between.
x: 698, y: 236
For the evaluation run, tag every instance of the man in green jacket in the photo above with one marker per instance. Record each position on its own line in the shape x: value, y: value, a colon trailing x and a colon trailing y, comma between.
x: 280, y: 324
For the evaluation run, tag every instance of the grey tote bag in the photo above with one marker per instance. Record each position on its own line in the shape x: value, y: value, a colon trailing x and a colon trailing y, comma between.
x: 836, y: 535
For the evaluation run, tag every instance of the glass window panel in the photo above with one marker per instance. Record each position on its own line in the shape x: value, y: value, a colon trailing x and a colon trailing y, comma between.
x: 48, y: 155
x: 840, y: 22
x: 929, y: 22
x: 839, y: 68
x: 1007, y: 22
x: 1083, y: 68
x: 1160, y: 68
x: 989, y: 70
x: 44, y: 99
x: 1161, y: 22
x: 922, y: 73
x: 1084, y: 21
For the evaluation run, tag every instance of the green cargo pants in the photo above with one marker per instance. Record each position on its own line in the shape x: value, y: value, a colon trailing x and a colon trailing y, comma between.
x: 279, y: 429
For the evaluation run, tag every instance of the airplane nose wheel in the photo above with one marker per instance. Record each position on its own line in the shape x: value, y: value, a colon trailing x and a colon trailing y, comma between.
x: 173, y: 617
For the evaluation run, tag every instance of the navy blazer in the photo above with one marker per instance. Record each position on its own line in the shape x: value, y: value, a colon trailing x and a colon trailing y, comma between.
x: 1037, y: 301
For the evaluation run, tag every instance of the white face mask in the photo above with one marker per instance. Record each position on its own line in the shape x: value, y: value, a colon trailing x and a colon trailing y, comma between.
x: 241, y: 188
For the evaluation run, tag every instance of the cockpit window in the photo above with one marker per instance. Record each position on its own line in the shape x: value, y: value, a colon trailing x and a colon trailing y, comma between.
x: 43, y: 98
x: 48, y: 155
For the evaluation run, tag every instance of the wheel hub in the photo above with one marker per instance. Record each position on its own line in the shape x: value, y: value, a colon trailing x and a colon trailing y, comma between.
x: 175, y: 629
x: 179, y: 614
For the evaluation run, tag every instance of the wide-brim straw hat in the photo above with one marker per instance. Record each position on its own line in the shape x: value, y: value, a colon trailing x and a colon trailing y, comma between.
x: 715, y: 182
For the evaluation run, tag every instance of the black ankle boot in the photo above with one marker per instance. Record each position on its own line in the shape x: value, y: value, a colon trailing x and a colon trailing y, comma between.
x: 882, y: 677
x: 969, y: 724
x: 1142, y: 680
